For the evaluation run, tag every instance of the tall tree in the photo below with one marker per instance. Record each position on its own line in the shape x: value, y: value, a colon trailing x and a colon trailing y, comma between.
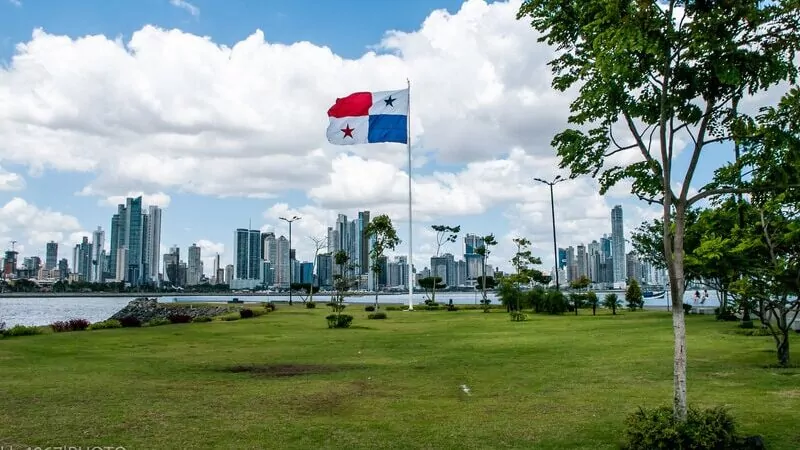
x: 444, y: 235
x: 484, y: 251
x: 384, y: 237
x: 772, y: 275
x: 661, y: 71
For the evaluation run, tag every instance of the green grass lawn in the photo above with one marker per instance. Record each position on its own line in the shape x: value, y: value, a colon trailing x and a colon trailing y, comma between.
x: 550, y: 382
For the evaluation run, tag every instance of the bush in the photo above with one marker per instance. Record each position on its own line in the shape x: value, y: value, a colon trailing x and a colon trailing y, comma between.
x: 727, y: 315
x: 269, y: 306
x: 377, y: 316
x: 130, y: 322
x: 179, y: 318
x: 370, y: 308
x: 22, y: 330
x: 69, y: 325
x: 687, y: 308
x: 106, y: 325
x: 339, y: 320
x: 246, y: 313
x: 157, y: 322
x: 311, y: 305
x: 656, y: 428
x: 202, y: 319
x: 452, y: 308
x: 336, y: 306
x: 518, y: 316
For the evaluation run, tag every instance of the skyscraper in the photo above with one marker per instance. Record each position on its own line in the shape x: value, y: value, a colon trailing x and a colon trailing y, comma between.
x: 194, y: 271
x: 51, y: 256
x: 618, y: 244
x: 217, y: 278
x: 134, y: 223
x: 281, y: 266
x: 362, y: 242
x: 117, y: 241
x: 248, y: 254
x: 269, y: 247
x: 98, y: 255
x: 153, y: 249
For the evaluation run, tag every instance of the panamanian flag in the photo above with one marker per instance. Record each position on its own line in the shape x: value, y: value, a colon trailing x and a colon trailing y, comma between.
x: 369, y: 117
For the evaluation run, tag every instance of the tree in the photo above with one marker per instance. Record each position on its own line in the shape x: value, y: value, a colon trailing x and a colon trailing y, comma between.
x: 612, y: 301
x: 633, y: 296
x: 484, y: 251
x: 660, y: 71
x: 384, y: 237
x: 523, y: 261
x: 772, y: 246
x: 319, y: 244
x: 582, y: 282
x: 488, y: 280
x: 593, y: 301
x: 444, y: 235
x: 341, y: 284
x: 429, y: 284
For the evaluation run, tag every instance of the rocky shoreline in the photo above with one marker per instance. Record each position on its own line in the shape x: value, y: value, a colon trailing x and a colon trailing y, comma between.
x: 146, y: 309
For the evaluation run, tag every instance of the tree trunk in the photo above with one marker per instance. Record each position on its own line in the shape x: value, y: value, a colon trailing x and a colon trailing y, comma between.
x: 783, y: 348
x: 675, y: 259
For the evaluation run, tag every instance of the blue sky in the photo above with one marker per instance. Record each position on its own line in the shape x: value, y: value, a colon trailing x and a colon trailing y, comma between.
x: 484, y: 118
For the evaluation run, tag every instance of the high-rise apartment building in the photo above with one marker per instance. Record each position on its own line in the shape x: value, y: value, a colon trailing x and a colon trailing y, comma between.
x: 194, y: 266
x: 216, y: 277
x: 618, y: 244
x: 98, y: 256
x: 172, y: 264
x: 153, y: 241
x: 51, y: 256
x: 247, y: 254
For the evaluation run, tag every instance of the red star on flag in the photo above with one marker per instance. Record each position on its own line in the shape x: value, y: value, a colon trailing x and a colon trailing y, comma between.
x: 347, y: 131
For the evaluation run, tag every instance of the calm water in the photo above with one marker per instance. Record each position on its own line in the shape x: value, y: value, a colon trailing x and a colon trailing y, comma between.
x: 43, y: 311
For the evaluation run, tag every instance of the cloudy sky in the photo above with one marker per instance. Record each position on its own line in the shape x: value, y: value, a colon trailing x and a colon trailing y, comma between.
x: 216, y: 111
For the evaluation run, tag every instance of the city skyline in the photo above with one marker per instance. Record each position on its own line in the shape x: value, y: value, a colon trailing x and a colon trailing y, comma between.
x: 230, y: 153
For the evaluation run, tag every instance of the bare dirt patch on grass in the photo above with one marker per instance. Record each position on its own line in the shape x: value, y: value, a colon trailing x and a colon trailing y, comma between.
x: 286, y: 370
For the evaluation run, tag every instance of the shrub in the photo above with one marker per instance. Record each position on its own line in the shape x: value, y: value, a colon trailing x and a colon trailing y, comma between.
x: 202, y: 319
x: 452, y: 307
x: 69, y: 325
x: 106, y: 325
x: 687, y: 308
x: 339, y: 320
x: 370, y: 308
x: 246, y: 313
x: 269, y: 306
x: 656, y: 428
x: 311, y: 305
x: 22, y: 330
x: 130, y: 322
x: 257, y: 312
x: 377, y: 316
x: 157, y: 322
x: 179, y: 318
x: 518, y: 316
x: 727, y: 315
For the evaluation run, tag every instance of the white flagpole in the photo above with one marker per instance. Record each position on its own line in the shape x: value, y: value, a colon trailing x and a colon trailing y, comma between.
x: 410, y: 221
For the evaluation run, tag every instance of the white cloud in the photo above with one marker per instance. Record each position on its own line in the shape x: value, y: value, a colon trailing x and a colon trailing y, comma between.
x: 32, y: 227
x: 183, y: 4
x: 10, y: 181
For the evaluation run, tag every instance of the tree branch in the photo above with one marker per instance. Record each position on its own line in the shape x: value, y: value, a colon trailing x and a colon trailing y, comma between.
x: 650, y: 201
x: 698, y: 147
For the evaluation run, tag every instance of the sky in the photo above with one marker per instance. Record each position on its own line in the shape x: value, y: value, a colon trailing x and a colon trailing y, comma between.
x: 216, y: 111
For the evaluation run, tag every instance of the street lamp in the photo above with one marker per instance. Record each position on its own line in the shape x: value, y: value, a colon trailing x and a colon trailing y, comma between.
x: 555, y: 181
x: 289, y: 221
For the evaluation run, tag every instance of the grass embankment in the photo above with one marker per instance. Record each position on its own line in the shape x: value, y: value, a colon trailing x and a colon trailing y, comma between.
x: 550, y: 382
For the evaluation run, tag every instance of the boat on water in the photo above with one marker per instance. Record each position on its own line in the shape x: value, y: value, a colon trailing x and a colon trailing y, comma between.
x: 654, y: 294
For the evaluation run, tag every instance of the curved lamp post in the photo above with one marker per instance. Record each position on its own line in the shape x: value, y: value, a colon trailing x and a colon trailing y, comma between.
x: 289, y: 253
x: 556, y: 180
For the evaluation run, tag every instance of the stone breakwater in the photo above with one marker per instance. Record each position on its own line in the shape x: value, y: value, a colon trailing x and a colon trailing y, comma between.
x: 147, y: 309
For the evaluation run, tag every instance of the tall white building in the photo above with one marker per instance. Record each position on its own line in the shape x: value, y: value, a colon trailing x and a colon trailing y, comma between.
x: 281, y: 266
x: 153, y: 241
x: 216, y: 278
x: 98, y: 255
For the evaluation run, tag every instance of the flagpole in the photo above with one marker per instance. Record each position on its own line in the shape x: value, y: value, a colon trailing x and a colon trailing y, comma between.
x: 410, y: 217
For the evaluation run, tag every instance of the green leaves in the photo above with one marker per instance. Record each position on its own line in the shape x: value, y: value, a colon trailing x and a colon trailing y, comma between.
x: 384, y: 236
